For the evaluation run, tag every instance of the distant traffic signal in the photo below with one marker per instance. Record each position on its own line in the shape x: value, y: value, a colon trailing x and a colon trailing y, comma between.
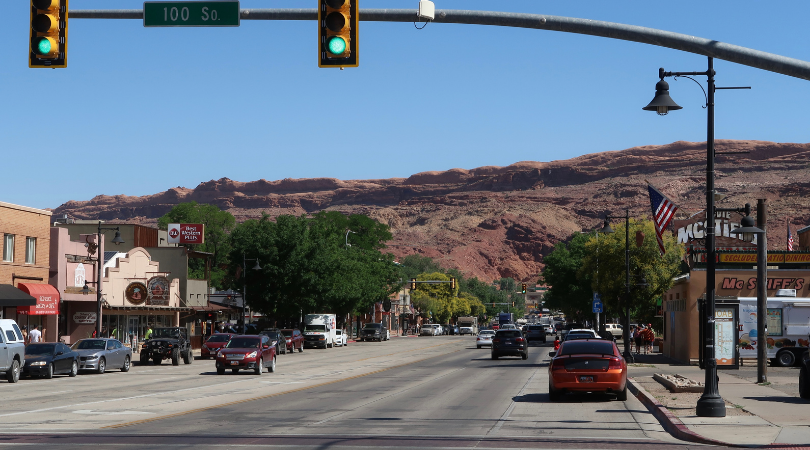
x: 523, y: 287
x: 48, y: 34
x: 413, y: 284
x: 452, y: 283
x: 337, y: 33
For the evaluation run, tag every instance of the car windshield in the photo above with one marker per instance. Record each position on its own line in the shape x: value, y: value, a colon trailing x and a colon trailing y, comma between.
x: 314, y: 327
x: 219, y: 338
x: 40, y: 349
x: 579, y: 335
x: 587, y: 347
x: 90, y: 344
x: 166, y: 333
x: 486, y: 333
x: 271, y: 334
x: 243, y: 342
x: 536, y: 328
x: 508, y: 333
x: 373, y: 325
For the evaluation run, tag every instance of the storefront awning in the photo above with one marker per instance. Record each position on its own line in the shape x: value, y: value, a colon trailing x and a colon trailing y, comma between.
x: 212, y: 307
x: 46, y: 296
x: 148, y: 308
x: 11, y: 296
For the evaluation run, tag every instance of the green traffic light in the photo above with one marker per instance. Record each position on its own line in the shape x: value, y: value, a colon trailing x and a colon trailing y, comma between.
x: 337, y: 46
x: 43, y: 46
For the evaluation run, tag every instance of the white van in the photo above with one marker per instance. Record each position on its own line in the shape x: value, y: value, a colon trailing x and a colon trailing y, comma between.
x: 319, y: 330
x: 788, y: 322
x: 12, y: 350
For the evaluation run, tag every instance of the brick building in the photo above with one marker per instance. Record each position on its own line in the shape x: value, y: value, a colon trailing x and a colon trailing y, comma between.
x: 25, y: 266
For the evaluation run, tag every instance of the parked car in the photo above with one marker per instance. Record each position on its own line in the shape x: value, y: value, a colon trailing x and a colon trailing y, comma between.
x: 615, y: 329
x: 484, y: 338
x: 509, y: 343
x: 587, y: 365
x: 12, y: 350
x: 100, y: 354
x: 374, y: 332
x: 428, y: 330
x: 295, y: 340
x: 341, y: 338
x: 277, y: 339
x: 253, y: 352
x: 214, y: 343
x: 581, y: 333
x: 536, y: 332
x: 47, y: 359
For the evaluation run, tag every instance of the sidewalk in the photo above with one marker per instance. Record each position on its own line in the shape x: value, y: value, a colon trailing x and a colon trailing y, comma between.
x: 755, y: 415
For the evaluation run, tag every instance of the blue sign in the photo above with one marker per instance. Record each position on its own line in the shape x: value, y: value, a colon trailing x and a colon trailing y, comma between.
x: 597, y: 303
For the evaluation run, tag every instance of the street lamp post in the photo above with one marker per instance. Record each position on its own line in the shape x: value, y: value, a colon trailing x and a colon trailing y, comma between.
x: 117, y: 240
x: 347, y: 237
x: 710, y: 403
x: 628, y: 355
x: 244, y: 286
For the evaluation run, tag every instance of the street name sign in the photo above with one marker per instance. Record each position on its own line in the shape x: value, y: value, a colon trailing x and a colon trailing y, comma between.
x: 191, y: 14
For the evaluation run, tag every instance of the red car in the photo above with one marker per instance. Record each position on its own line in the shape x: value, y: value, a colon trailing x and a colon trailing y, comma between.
x: 253, y: 352
x: 295, y: 340
x: 215, y: 342
x: 587, y: 365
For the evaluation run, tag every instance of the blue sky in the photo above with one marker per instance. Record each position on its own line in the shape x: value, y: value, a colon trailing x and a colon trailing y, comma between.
x: 140, y: 110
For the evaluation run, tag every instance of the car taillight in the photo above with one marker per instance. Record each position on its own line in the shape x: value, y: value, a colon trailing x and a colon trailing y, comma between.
x: 497, y: 341
x: 615, y: 363
x: 557, y: 364
x: 519, y: 340
x: 477, y: 339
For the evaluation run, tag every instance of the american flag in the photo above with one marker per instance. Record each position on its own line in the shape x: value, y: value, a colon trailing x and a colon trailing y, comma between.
x: 663, y: 210
x: 790, y: 240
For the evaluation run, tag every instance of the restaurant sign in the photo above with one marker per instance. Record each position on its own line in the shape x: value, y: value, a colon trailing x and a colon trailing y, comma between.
x: 84, y: 317
x: 135, y: 293
x: 158, y: 289
x: 751, y: 283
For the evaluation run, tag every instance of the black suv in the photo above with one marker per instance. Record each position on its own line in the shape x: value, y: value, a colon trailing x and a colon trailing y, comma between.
x: 167, y: 343
x: 374, y: 332
x: 509, y: 343
x: 276, y: 338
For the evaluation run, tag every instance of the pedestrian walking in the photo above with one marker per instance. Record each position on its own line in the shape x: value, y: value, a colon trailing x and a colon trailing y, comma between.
x: 35, y: 335
x: 637, y: 338
x: 148, y: 334
x: 25, y: 333
x: 649, y: 338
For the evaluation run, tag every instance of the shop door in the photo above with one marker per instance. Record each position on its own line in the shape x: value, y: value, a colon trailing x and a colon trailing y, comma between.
x: 132, y: 327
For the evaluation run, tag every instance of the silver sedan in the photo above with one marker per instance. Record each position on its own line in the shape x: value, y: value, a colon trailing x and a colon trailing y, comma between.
x: 100, y: 354
x: 484, y: 338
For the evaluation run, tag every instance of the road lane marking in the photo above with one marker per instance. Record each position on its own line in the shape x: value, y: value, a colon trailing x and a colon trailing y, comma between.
x: 495, y: 428
x: 262, y: 397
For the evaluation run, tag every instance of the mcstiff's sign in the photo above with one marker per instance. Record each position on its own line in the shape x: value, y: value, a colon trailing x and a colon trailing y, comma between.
x: 186, y: 233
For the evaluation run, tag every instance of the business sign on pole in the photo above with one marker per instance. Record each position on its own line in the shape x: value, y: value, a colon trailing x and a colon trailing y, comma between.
x: 186, y: 233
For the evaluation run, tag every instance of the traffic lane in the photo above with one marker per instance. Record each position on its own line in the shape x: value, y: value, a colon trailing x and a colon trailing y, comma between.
x: 120, y: 399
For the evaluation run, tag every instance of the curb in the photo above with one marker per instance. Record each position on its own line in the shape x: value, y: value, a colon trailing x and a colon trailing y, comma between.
x: 672, y: 424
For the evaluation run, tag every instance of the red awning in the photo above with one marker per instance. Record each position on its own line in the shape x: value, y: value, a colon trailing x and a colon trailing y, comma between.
x: 47, y: 299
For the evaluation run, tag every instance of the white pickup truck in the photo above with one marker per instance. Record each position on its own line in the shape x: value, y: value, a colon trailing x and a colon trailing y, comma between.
x: 12, y: 350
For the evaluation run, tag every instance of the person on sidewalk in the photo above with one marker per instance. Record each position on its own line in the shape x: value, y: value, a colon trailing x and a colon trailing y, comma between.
x: 649, y: 338
x: 35, y: 335
x: 637, y: 338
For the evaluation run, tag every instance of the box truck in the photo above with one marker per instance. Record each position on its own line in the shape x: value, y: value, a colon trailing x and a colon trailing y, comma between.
x: 319, y: 330
x: 467, y: 325
x: 788, y: 323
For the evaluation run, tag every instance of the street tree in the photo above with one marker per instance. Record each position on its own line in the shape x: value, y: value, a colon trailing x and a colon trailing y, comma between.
x: 218, y: 225
x: 570, y: 290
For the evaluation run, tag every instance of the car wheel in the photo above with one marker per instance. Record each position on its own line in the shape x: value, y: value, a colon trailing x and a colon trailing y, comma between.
x: 786, y: 358
x: 494, y: 356
x: 804, y: 383
x: 157, y: 360
x: 13, y: 374
x: 622, y: 395
x: 144, y: 358
x: 74, y: 369
x: 102, y: 365
x: 188, y: 357
x: 478, y: 346
x: 272, y: 367
x: 553, y: 394
x: 259, y: 368
x: 524, y: 356
x: 301, y: 348
x: 220, y: 370
x: 176, y: 357
x: 49, y: 373
x: 125, y: 367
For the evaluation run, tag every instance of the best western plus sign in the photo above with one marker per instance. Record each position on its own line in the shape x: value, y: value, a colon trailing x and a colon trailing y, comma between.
x: 186, y: 233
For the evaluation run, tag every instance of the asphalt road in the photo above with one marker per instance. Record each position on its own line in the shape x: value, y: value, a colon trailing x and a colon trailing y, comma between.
x: 438, y: 392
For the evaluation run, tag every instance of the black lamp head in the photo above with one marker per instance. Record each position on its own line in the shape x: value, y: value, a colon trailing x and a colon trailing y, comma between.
x: 747, y: 228
x: 117, y: 239
x: 606, y: 228
x: 257, y: 266
x: 662, y: 103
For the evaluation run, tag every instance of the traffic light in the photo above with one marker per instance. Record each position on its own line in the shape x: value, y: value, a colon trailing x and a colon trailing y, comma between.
x: 48, y: 34
x: 413, y: 284
x: 452, y: 283
x: 523, y: 287
x: 337, y: 33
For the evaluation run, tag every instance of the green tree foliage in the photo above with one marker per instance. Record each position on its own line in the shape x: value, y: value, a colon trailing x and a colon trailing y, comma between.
x: 307, y: 267
x: 218, y: 225
x: 646, y: 261
x: 569, y: 290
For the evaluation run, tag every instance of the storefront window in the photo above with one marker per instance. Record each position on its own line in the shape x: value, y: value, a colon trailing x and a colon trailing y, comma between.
x: 774, y: 321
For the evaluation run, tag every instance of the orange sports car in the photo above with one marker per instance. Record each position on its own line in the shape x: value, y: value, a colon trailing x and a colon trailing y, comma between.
x: 587, y: 365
